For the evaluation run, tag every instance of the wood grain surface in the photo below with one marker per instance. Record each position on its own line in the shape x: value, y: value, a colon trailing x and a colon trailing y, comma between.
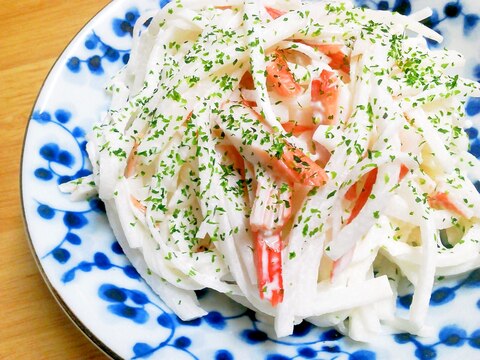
x: 33, y: 33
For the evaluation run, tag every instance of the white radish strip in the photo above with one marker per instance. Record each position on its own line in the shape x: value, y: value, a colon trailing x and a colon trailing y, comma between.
x: 342, y: 298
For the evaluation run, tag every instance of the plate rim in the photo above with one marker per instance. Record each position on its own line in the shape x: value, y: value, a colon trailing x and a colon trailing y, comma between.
x: 71, y: 316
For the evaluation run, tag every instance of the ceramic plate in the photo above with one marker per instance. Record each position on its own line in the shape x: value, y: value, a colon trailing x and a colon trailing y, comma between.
x: 102, y: 292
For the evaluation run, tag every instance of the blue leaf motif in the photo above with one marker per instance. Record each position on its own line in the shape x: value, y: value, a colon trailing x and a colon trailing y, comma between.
x: 362, y: 355
x: 193, y: 322
x: 111, y: 54
x: 442, y: 296
x: 63, y: 179
x: 138, y: 297
x: 476, y: 72
x: 95, y: 65
x: 73, y: 64
x: 97, y: 205
x: 475, y: 148
x: 91, y: 42
x: 68, y: 276
x: 402, y: 6
x: 49, y: 151
x: 61, y: 255
x: 131, y: 272
x: 163, y: 3
x: 452, y: 9
x: 165, y: 321
x: 277, y: 357
x: 215, y: 320
x: 307, y: 352
x: 142, y: 350
x: 78, y: 132
x: 474, y: 340
x: 65, y: 158
x: 63, y: 116
x: 116, y: 248
x: 470, y: 21
x: 137, y: 315
x: 73, y: 220
x: 254, y: 336
x: 41, y: 117
x: 73, y: 239
x: 101, y: 261
x: 402, y: 338
x: 331, y: 349
x: 81, y: 173
x: 223, y: 355
x: 43, y: 174
x: 45, y: 212
x: 112, y: 293
x: 85, y: 266
x: 473, y: 279
x: 472, y: 133
x: 302, y: 329
x: 405, y: 301
x: 452, y: 336
x: 425, y: 352
x: 182, y: 342
x: 331, y: 335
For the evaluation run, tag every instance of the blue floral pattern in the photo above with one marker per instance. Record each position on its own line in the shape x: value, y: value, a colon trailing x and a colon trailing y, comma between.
x: 77, y: 254
x: 103, y: 51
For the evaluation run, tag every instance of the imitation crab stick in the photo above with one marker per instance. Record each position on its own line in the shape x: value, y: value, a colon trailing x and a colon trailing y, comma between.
x: 338, y: 59
x: 370, y: 179
x: 274, y: 13
x: 270, y: 212
x: 324, y: 94
x: 280, y: 78
x: 441, y: 200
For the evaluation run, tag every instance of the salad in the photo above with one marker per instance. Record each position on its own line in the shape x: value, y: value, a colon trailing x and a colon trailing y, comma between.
x: 306, y: 159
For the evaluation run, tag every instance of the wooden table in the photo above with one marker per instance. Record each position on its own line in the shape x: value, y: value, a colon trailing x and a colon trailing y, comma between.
x: 33, y: 33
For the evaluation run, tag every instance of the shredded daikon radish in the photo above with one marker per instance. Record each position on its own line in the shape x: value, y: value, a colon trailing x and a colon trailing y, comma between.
x: 301, y: 158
